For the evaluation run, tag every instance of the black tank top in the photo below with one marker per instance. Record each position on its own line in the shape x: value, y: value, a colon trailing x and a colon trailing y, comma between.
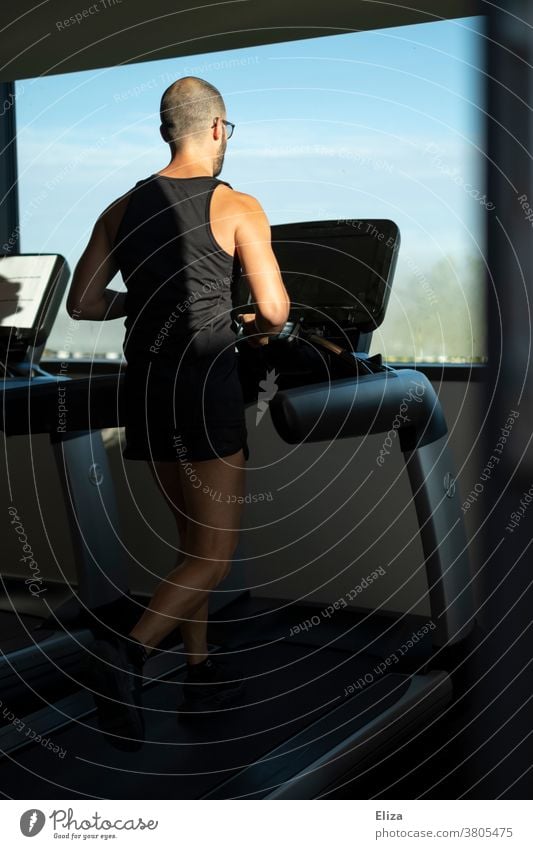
x: 178, y: 278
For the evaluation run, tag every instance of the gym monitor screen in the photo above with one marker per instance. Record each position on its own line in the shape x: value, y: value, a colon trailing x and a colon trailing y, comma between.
x: 24, y: 281
x: 340, y: 270
x: 31, y: 288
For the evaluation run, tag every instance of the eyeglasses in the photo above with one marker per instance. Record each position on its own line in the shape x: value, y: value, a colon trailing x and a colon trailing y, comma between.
x: 229, y: 127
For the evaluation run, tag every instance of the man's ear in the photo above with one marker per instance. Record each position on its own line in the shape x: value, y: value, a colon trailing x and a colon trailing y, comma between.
x: 217, y: 129
x: 164, y: 133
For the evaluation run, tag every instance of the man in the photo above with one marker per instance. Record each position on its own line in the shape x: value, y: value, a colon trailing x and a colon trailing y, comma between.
x: 175, y: 237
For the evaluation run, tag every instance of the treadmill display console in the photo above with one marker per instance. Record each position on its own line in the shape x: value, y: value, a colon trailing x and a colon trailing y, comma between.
x: 335, y: 271
x: 31, y: 290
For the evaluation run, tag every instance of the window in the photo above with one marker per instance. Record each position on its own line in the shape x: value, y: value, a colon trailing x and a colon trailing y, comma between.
x: 384, y: 124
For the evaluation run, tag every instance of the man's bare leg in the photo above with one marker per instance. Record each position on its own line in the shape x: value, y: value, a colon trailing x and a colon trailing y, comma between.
x: 213, y: 514
x: 194, y: 631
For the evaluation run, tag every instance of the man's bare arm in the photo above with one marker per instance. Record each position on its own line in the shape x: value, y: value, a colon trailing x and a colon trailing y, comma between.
x: 89, y: 299
x: 260, y: 267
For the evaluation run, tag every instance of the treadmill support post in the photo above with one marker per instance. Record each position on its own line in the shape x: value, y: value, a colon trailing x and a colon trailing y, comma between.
x: 443, y: 538
x: 87, y: 484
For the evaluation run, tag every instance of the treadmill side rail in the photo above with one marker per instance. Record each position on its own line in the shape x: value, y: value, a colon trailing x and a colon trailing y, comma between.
x: 426, y: 697
x: 279, y: 775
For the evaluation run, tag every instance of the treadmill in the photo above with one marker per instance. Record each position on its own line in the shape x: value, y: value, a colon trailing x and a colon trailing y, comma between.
x: 47, y: 627
x: 43, y: 633
x: 324, y: 704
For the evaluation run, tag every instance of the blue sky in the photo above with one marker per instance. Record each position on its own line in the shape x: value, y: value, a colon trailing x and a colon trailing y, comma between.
x: 335, y: 127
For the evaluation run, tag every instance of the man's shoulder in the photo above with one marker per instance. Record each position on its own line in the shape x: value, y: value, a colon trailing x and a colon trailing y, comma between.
x: 116, y: 208
x: 114, y: 212
x: 240, y: 199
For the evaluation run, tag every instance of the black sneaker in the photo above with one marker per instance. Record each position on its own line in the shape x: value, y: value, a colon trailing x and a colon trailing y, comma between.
x: 116, y: 671
x: 212, y: 686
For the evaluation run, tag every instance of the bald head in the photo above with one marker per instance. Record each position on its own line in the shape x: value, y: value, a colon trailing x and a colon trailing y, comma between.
x: 188, y: 107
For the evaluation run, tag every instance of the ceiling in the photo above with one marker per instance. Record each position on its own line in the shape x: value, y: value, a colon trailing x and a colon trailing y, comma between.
x: 35, y: 40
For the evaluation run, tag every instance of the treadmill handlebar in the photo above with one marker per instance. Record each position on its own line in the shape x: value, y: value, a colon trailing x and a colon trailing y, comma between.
x: 60, y: 404
x: 402, y: 400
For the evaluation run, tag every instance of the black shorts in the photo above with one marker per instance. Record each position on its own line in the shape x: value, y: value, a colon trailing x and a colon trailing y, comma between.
x: 188, y: 410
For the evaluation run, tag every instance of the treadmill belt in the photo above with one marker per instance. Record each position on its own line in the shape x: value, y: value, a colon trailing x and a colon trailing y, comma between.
x: 289, y: 687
